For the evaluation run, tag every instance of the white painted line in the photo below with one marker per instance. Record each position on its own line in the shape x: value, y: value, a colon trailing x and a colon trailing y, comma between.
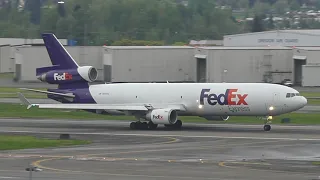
x: 4, y: 177
x: 171, y: 135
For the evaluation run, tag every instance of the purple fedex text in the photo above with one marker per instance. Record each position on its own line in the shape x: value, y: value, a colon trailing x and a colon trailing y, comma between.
x: 229, y: 98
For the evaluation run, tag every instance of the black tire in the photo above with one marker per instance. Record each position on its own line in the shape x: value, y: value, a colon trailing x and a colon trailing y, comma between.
x: 133, y: 125
x: 152, y: 126
x: 267, y: 127
x: 144, y: 126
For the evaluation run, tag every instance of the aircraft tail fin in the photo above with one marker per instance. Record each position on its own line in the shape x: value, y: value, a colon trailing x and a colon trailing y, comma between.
x: 64, y: 70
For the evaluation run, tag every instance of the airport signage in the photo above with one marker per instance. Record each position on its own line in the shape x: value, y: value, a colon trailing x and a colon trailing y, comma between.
x: 278, y: 40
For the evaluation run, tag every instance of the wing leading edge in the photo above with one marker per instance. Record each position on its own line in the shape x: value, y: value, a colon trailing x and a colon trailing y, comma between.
x: 119, y: 107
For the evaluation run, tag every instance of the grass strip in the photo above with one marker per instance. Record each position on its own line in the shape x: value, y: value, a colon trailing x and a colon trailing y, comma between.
x: 316, y: 163
x: 20, y: 111
x: 6, y: 75
x: 27, y: 142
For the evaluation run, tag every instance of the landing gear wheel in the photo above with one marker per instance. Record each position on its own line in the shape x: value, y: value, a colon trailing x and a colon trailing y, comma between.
x: 142, y: 125
x: 133, y: 125
x: 152, y: 126
x: 267, y: 127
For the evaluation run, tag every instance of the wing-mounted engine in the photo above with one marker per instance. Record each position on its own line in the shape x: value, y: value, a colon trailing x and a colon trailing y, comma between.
x: 216, y: 118
x: 61, y: 76
x: 162, y: 116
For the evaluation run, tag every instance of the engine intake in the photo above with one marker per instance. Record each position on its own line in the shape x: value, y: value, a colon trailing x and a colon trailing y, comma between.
x: 162, y: 116
x: 61, y: 76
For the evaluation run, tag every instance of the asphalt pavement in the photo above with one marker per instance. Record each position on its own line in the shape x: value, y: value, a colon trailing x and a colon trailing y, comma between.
x: 197, y: 151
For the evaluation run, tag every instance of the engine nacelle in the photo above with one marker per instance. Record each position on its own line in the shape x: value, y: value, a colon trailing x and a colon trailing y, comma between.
x: 61, y: 76
x: 216, y: 118
x: 162, y: 116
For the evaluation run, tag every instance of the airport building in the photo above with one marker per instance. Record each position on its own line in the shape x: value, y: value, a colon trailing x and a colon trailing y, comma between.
x: 241, y: 59
x: 150, y: 63
x: 243, y: 64
x: 163, y: 63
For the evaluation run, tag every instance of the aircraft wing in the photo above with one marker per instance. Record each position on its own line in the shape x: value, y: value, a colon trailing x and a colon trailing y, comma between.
x: 48, y: 92
x: 119, y: 107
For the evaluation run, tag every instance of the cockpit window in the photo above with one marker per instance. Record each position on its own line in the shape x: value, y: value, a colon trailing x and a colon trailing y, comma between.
x: 288, y: 95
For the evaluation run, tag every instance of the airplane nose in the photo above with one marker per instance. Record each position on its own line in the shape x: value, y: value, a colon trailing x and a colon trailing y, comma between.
x: 304, y: 101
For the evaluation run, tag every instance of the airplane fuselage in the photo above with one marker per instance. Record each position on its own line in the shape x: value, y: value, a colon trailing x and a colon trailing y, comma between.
x: 204, y: 99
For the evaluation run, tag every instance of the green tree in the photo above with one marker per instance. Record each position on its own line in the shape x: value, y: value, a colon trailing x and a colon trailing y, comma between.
x: 271, y: 22
x: 257, y: 24
x: 34, y: 6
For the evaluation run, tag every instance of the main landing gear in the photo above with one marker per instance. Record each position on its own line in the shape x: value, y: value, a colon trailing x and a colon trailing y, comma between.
x: 151, y: 126
x: 143, y: 125
x: 267, y: 122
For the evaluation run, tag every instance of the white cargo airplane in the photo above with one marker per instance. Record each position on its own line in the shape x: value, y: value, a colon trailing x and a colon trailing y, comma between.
x: 158, y: 103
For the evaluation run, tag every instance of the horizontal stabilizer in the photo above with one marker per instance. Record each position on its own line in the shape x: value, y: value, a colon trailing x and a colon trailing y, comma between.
x: 48, y: 92
x: 25, y: 101
x: 42, y: 70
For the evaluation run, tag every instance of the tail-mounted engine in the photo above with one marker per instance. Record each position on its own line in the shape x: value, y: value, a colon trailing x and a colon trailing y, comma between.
x: 162, y: 116
x: 61, y: 76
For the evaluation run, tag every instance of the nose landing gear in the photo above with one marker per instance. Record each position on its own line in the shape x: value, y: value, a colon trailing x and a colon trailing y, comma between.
x: 267, y: 127
x: 267, y: 122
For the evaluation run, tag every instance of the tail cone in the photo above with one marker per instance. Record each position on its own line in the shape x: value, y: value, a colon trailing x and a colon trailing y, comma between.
x: 42, y: 78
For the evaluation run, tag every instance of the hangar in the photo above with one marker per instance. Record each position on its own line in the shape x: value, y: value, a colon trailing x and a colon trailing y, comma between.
x: 306, y: 66
x: 305, y: 46
x: 243, y: 64
x: 149, y: 63
x: 169, y: 63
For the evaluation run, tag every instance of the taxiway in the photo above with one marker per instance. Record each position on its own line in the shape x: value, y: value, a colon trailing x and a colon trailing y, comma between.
x: 198, y: 151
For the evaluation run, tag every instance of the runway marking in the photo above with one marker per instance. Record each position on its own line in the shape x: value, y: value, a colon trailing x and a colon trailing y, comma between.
x: 183, y: 148
x: 172, y: 135
x: 4, y: 177
x: 223, y: 164
x: 38, y: 163
x: 172, y: 140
